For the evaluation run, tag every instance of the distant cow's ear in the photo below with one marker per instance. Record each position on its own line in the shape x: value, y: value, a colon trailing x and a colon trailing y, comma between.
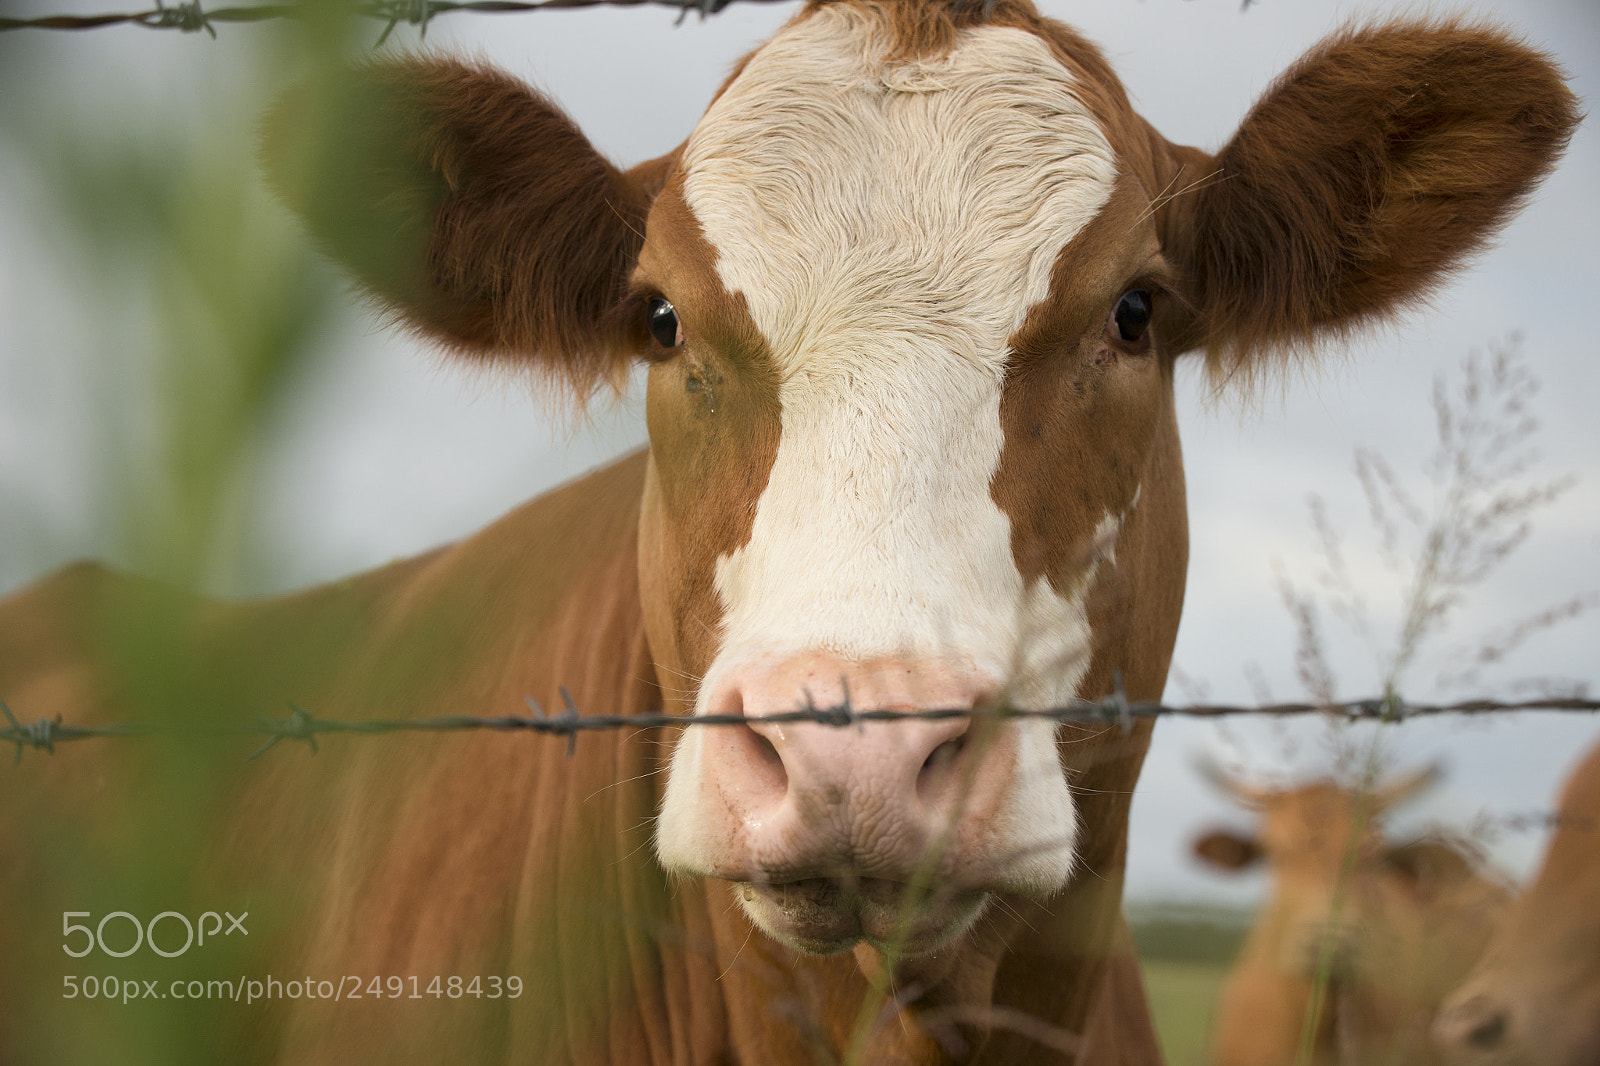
x: 1371, y: 169
x: 1432, y: 864
x: 1406, y: 787
x: 1227, y: 851
x: 467, y: 204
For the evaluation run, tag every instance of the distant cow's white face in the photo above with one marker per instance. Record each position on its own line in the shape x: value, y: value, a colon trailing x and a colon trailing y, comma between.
x: 878, y: 232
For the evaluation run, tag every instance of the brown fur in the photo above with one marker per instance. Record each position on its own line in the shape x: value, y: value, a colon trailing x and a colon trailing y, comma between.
x: 1371, y: 170
x: 1088, y: 422
x: 714, y: 425
x: 469, y: 206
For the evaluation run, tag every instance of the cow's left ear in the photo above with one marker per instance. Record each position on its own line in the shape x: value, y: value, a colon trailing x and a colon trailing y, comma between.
x: 469, y: 206
x: 1372, y: 168
x: 1227, y: 850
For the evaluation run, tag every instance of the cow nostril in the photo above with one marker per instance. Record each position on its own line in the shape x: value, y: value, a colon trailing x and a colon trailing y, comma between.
x: 763, y: 765
x: 762, y: 755
x: 766, y: 752
x: 1489, y: 1032
x: 940, y: 758
x: 1480, y: 1022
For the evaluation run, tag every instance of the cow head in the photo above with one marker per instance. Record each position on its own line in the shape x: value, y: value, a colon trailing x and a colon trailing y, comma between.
x: 1387, y: 929
x: 911, y: 297
x: 1331, y: 868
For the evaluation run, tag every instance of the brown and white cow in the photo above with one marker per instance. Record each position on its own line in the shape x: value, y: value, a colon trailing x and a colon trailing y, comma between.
x: 1395, y: 927
x: 1534, y: 999
x: 911, y: 296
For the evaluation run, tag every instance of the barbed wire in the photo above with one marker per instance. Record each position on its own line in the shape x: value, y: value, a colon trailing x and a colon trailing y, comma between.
x: 1114, y: 709
x: 193, y: 17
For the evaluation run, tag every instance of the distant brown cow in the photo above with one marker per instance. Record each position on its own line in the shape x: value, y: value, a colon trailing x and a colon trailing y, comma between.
x: 1397, y: 927
x: 1534, y: 998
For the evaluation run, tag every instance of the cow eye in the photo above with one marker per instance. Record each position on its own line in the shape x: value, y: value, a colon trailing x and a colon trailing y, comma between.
x: 1132, y: 315
x: 662, y: 321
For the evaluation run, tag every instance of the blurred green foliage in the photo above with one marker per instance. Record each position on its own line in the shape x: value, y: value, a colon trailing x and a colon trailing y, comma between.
x: 198, y: 306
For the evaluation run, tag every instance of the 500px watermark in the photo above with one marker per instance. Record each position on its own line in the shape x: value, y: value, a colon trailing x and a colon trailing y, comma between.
x: 252, y: 990
x: 127, y: 989
x: 144, y: 934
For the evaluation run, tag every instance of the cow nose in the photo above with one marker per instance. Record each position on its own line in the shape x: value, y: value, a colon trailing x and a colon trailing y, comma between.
x: 1326, y: 942
x: 866, y: 798
x: 906, y: 763
x: 1478, y: 1023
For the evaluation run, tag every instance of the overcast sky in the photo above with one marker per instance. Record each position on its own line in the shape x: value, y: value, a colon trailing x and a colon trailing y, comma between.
x: 381, y: 451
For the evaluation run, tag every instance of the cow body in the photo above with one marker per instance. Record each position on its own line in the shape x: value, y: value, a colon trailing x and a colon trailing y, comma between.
x: 486, y: 853
x: 1535, y: 996
x: 911, y: 297
x: 1391, y: 928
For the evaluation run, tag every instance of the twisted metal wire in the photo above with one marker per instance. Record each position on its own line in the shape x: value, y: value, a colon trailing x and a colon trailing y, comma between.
x: 1113, y: 709
x: 192, y: 17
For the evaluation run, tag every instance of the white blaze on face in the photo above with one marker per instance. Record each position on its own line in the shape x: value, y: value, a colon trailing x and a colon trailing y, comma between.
x: 889, y: 226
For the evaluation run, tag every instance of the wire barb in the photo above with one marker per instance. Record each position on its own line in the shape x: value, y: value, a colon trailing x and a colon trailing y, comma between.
x: 1119, y: 703
x: 186, y: 18
x: 300, y: 725
x: 569, y: 719
x: 40, y: 734
x: 843, y: 714
x: 411, y: 12
x: 46, y: 733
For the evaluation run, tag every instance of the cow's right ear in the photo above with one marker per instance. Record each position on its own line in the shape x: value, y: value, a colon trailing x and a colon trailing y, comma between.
x: 1227, y: 851
x: 1371, y: 170
x: 467, y: 205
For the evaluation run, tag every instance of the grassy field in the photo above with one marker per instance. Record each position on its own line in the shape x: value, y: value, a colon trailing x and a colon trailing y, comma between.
x: 1182, y: 997
x: 1185, y: 951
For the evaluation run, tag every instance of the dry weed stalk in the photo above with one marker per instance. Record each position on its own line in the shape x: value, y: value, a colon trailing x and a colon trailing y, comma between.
x: 1477, y: 512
